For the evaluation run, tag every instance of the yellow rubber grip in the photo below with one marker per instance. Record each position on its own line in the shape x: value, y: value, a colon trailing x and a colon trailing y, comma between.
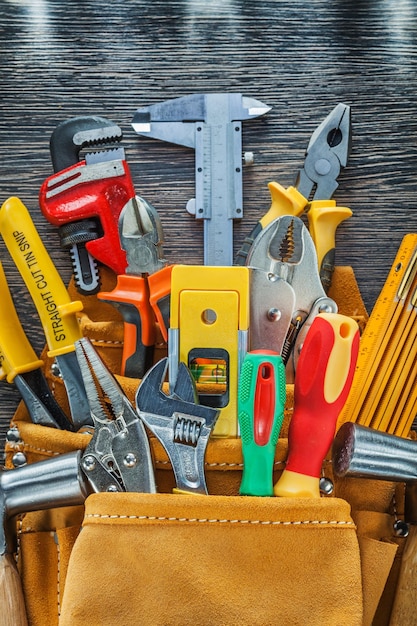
x: 295, y: 485
x: 323, y: 219
x: 283, y: 202
x: 16, y: 354
x: 48, y: 292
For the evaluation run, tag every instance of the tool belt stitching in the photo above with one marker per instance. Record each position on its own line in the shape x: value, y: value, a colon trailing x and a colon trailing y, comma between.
x: 58, y: 578
x: 222, y: 464
x: 225, y: 464
x: 19, y: 533
x: 222, y: 521
x: 28, y: 446
x: 107, y: 342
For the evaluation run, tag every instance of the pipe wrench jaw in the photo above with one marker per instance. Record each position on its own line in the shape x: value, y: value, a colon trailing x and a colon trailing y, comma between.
x: 85, y: 202
x: 286, y: 291
x: 182, y: 427
x: 83, y: 132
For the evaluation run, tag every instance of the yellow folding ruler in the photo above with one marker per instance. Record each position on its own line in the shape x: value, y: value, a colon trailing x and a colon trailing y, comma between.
x: 208, y: 332
x: 384, y: 394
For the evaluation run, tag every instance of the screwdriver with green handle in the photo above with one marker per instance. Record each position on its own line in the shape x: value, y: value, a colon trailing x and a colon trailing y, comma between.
x: 52, y: 301
x: 323, y: 379
x: 261, y: 401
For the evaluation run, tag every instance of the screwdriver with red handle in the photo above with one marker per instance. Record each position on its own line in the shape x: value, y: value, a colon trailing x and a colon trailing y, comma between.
x: 323, y: 380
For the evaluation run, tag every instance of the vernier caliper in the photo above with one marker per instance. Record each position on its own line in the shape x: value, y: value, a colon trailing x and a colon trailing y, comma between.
x: 210, y: 123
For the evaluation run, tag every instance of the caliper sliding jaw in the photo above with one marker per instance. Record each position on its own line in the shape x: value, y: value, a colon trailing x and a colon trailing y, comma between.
x: 212, y: 125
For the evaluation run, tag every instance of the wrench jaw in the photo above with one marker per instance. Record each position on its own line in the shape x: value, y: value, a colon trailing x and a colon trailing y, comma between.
x: 77, y: 133
x: 182, y: 427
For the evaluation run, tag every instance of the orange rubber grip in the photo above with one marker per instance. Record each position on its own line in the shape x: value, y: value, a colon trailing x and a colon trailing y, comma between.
x: 160, y: 292
x: 131, y: 298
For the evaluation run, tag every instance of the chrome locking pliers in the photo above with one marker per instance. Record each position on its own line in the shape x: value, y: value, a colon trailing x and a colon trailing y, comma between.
x: 286, y: 291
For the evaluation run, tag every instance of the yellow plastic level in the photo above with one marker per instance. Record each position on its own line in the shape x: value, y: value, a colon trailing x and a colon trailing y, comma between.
x: 210, y: 313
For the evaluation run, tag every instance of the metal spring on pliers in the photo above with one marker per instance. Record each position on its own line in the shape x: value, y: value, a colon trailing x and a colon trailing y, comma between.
x: 290, y: 339
x: 287, y: 246
x: 186, y: 431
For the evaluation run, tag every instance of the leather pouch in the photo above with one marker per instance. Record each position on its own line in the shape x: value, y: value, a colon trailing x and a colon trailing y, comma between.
x: 216, y: 560
x: 161, y: 559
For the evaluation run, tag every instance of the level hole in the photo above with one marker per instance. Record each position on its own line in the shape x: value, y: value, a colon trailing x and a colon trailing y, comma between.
x: 209, y: 316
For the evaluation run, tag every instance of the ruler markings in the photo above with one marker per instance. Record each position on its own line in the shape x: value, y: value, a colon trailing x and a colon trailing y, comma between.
x: 383, y: 320
x: 388, y: 372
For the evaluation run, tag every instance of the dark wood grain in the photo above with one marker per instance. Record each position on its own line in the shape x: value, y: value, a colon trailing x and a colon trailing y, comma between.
x: 60, y: 59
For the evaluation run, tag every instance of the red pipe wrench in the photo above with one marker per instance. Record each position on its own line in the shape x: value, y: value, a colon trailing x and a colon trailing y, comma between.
x: 85, y: 197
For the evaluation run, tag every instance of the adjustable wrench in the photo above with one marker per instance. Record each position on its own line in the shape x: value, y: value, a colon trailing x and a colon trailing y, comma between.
x: 210, y: 123
x: 182, y: 426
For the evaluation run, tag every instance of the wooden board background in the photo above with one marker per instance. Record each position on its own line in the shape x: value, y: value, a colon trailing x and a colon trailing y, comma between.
x: 60, y: 59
